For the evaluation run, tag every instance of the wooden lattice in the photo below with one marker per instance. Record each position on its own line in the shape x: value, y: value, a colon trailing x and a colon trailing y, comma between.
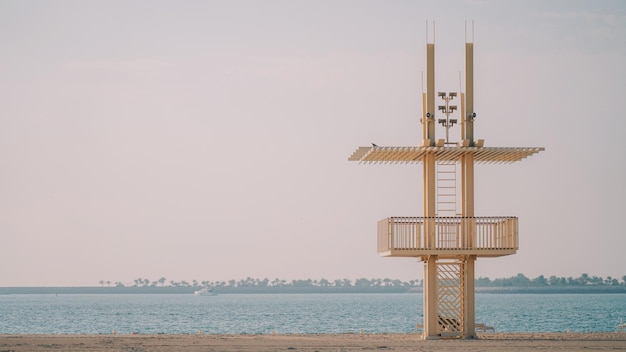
x: 450, y: 297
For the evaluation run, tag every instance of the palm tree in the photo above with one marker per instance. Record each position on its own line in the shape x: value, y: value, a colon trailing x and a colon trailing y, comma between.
x: 102, y: 283
x: 249, y: 281
x: 162, y: 281
x: 584, y: 279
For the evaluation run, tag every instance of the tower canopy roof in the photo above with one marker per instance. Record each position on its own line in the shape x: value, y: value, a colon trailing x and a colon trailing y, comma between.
x: 413, y: 155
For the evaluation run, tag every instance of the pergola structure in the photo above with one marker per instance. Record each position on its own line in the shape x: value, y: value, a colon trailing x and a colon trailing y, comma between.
x: 449, y: 236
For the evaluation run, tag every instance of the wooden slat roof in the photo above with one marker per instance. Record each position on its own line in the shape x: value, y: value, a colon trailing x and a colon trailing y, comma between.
x: 413, y: 155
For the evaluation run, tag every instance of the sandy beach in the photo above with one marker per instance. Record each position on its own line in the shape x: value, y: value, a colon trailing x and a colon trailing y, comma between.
x: 338, y: 342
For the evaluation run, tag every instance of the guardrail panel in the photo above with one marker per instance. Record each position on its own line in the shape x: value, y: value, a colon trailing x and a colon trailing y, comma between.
x: 468, y: 233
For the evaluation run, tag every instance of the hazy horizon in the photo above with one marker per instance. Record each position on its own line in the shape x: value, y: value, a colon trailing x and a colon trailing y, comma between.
x: 209, y: 139
x: 199, y: 282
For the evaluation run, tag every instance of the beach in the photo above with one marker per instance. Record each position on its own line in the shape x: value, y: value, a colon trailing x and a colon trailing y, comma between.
x: 321, y: 342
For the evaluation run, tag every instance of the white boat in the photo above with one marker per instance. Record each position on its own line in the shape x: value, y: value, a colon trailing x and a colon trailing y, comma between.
x: 205, y: 292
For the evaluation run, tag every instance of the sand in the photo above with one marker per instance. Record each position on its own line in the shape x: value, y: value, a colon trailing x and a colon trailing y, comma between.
x: 339, y: 342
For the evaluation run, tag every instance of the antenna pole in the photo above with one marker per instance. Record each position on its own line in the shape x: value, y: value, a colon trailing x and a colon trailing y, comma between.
x: 469, y: 95
x: 462, y: 109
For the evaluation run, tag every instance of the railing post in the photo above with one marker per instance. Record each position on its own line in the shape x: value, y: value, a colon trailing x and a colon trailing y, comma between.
x: 516, y: 233
x: 416, y: 230
x: 390, y: 236
x: 469, y: 330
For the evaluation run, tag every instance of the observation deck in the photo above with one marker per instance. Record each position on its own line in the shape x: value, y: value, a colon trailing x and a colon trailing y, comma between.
x: 448, y: 237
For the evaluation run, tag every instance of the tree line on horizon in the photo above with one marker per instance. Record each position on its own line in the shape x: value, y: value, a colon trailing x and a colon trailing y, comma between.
x: 520, y: 280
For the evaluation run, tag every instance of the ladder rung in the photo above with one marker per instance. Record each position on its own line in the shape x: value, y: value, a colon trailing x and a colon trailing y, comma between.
x: 446, y: 189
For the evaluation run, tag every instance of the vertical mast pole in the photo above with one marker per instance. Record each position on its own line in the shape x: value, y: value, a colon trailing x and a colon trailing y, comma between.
x: 469, y: 94
x: 467, y: 193
x: 430, y: 95
x: 430, y: 266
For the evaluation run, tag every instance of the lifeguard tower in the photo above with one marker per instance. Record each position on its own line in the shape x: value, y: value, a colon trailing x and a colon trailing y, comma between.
x: 449, y: 237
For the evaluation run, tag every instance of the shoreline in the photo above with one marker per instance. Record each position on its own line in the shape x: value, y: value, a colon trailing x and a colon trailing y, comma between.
x: 306, y: 290
x: 615, y: 341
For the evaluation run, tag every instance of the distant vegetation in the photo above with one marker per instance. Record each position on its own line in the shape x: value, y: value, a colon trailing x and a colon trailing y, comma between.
x: 515, y: 284
x: 520, y: 280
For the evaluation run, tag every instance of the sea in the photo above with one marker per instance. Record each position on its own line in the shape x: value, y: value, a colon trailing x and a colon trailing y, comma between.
x: 294, y: 313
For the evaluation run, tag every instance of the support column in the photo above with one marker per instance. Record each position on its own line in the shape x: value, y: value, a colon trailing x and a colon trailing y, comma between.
x: 430, y: 199
x: 430, y: 298
x: 469, y: 327
x: 430, y: 262
x: 469, y: 235
x: 468, y: 227
x: 467, y: 194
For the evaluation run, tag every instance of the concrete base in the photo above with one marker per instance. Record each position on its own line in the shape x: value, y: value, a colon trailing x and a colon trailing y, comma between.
x: 448, y: 335
x: 427, y: 337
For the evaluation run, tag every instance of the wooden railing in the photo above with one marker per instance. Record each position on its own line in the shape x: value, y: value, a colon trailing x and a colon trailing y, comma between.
x: 447, y: 233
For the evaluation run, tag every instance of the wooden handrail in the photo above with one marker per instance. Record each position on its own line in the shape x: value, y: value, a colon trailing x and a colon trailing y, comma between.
x: 448, y: 233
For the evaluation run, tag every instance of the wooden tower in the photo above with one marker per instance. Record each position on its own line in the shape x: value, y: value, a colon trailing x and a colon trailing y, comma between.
x: 449, y: 237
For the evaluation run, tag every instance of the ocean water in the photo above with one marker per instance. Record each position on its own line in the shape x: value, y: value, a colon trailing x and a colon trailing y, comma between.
x: 294, y: 313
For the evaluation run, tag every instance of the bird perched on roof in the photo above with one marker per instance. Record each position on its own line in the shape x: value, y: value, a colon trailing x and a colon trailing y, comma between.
x: 374, y: 145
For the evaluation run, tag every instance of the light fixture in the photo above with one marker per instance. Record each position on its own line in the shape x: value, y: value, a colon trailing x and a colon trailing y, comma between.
x: 447, y: 110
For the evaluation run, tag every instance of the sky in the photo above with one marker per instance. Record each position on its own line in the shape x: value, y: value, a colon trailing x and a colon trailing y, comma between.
x: 209, y: 140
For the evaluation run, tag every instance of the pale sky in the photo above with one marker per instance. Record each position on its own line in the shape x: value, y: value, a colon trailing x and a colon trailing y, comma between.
x: 209, y: 140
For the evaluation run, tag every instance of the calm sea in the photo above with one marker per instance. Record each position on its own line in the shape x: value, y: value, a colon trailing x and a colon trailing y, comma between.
x: 294, y: 313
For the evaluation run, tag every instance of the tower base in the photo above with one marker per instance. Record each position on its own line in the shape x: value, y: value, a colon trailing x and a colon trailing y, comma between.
x: 449, y: 298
